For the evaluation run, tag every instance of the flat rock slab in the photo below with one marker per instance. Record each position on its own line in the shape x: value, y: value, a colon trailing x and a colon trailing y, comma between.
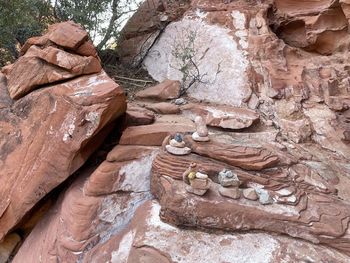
x: 136, y: 115
x: 164, y: 108
x: 152, y: 135
x: 248, y: 158
x: 227, y: 117
x: 166, y: 90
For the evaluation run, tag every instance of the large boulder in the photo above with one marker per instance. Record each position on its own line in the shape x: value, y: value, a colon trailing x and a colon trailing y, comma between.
x: 48, y: 133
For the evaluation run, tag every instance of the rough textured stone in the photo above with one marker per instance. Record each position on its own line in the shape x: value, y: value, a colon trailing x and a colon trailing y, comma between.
x: 244, y: 157
x: 51, y: 133
x: 277, y: 69
x: 228, y: 178
x: 300, y: 200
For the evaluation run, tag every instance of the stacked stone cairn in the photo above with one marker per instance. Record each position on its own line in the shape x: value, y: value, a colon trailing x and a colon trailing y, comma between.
x: 229, y: 184
x: 177, y: 146
x: 201, y: 134
x: 197, y: 182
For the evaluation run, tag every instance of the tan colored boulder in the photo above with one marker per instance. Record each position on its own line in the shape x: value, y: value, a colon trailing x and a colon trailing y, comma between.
x: 166, y: 90
x: 48, y: 135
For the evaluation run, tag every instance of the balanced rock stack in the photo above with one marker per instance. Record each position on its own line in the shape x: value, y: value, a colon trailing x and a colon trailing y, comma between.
x: 198, y: 182
x: 229, y: 184
x: 201, y: 134
x: 177, y: 146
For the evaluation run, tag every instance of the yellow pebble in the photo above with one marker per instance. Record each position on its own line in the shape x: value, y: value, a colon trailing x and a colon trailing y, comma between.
x: 191, y: 175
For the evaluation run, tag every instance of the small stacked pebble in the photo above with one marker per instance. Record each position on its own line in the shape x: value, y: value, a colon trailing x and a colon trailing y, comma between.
x: 177, y: 146
x: 229, y: 184
x: 198, y: 182
x: 201, y: 134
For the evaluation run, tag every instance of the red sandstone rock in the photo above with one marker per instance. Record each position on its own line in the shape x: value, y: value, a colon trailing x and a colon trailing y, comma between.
x: 44, y: 61
x: 48, y: 134
x: 164, y: 108
x: 279, y: 58
x: 7, y: 247
x: 99, y: 203
x: 248, y: 158
x: 222, y: 116
x: 303, y: 205
x: 168, y: 89
x: 152, y: 135
x: 142, y: 30
x: 66, y: 34
x: 136, y: 115
x: 51, y: 133
x: 44, y: 66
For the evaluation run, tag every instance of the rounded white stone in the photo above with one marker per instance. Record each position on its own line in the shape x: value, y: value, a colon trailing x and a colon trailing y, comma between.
x: 177, y: 144
x: 197, y: 138
x: 177, y: 151
x: 201, y: 175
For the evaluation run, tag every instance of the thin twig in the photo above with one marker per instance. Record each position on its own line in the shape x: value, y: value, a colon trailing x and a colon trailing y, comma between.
x: 137, y: 80
x: 130, y: 83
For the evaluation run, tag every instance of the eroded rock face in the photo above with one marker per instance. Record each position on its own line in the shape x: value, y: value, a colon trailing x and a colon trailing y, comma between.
x: 49, y: 133
x: 148, y: 239
x: 267, y: 52
x: 98, y: 205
